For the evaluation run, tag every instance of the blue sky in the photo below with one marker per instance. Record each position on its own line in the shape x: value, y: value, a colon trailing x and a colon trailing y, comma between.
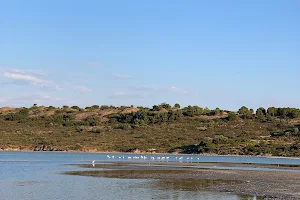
x: 209, y: 53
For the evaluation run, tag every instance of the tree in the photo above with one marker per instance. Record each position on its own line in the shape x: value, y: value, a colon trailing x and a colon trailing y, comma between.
x: 282, y: 112
x: 75, y: 107
x: 156, y: 108
x: 295, y: 113
x: 260, y: 113
x: 95, y: 107
x: 104, y: 107
x: 177, y: 106
x: 251, y: 111
x: 166, y: 106
x: 243, y: 110
x: 217, y: 111
x: 232, y: 116
x: 272, y: 111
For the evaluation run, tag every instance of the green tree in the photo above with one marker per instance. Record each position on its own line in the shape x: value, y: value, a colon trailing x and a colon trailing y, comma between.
x: 75, y: 107
x: 95, y: 107
x: 156, y: 108
x: 260, y: 113
x: 232, y: 116
x: 251, y: 111
x: 104, y: 107
x: 243, y: 110
x: 295, y: 113
x: 166, y: 106
x: 272, y: 111
x: 177, y: 106
x: 217, y: 111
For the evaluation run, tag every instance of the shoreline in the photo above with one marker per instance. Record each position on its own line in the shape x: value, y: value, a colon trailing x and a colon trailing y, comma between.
x: 147, y: 153
x: 280, y: 185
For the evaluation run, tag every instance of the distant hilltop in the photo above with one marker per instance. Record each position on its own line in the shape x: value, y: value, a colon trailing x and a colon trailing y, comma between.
x: 105, y: 110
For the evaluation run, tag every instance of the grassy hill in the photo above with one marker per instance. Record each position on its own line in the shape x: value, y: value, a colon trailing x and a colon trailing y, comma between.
x: 160, y: 129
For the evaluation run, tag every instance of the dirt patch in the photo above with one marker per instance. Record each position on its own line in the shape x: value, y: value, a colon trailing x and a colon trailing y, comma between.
x: 6, y: 110
x: 130, y: 110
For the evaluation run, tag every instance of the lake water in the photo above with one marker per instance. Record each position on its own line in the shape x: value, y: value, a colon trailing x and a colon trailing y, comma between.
x: 37, y: 175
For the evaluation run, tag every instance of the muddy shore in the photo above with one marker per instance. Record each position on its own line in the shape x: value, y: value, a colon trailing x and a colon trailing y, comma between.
x: 264, y: 184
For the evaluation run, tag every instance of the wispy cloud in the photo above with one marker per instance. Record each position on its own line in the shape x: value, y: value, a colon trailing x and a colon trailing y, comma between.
x: 25, y: 77
x: 81, y: 88
x: 122, y: 76
x: 176, y: 90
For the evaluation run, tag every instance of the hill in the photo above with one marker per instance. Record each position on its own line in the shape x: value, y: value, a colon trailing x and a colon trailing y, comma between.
x: 161, y: 129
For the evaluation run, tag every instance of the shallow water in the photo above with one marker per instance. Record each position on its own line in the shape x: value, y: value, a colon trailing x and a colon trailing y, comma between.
x: 37, y: 175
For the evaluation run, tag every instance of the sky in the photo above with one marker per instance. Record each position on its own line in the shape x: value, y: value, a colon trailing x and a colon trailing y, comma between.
x: 210, y: 53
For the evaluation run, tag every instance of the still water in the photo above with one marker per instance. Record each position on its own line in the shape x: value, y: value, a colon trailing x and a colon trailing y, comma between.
x: 37, y: 175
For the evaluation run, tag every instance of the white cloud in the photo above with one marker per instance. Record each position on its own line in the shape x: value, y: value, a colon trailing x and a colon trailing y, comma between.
x: 17, y: 76
x: 81, y: 88
x: 21, y: 77
x: 177, y: 90
x: 29, y: 71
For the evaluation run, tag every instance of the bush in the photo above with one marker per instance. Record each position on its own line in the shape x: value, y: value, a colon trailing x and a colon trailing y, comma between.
x: 232, y: 116
x: 79, y: 129
x: 96, y: 131
x: 125, y: 126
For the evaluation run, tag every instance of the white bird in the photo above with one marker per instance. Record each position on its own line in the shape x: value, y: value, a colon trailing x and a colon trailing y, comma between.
x: 108, y: 156
x: 93, y: 163
x: 113, y: 157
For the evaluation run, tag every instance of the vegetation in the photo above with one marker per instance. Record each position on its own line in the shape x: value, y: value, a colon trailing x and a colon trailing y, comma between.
x: 162, y: 128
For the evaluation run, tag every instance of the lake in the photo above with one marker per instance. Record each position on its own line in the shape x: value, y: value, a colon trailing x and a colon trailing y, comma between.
x: 38, y: 175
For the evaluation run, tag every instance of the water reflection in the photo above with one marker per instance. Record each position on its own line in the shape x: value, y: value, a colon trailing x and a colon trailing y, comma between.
x: 172, y: 187
x: 31, y: 176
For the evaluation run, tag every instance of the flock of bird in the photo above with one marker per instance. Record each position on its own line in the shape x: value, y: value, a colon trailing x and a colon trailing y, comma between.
x: 150, y: 158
